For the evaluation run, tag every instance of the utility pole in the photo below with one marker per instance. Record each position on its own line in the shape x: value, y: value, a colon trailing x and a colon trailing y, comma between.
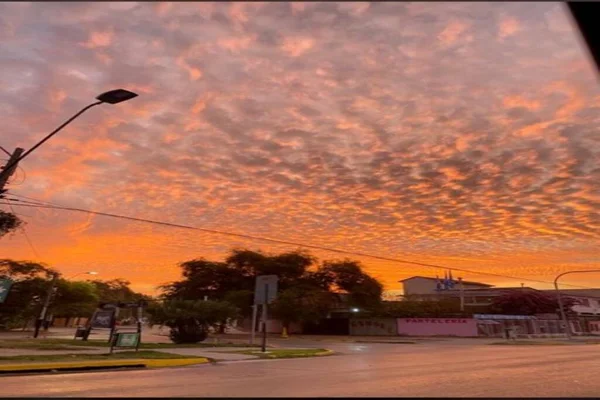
x: 462, y: 294
x: 12, y: 163
x: 42, y: 316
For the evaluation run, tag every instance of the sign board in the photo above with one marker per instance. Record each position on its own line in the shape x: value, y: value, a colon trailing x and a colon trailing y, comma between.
x: 265, y: 289
x: 103, y: 319
x: 5, y: 285
x: 127, y: 339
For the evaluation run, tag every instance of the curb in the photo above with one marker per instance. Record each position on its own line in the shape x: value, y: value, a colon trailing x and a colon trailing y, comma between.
x: 324, y: 353
x: 90, y: 365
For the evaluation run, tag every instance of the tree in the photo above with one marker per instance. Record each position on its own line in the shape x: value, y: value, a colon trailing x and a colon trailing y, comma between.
x: 520, y: 302
x: 31, y: 283
x: 301, y: 305
x: 347, y: 275
x: 74, y: 299
x: 190, y: 320
x: 115, y: 290
x: 9, y: 222
x: 306, y: 290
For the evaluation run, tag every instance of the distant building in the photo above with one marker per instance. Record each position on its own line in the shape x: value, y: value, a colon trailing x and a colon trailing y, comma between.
x: 425, y: 288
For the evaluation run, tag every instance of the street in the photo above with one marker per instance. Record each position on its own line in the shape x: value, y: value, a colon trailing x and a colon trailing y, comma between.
x: 451, y: 368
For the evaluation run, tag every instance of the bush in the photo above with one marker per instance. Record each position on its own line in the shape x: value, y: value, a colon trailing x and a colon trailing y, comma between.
x: 187, y: 332
x: 190, y: 320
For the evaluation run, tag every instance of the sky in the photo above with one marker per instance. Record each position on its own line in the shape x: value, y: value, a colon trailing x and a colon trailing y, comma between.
x: 460, y: 134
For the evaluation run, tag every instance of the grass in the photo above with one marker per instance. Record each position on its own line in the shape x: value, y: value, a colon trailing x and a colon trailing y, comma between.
x: 77, y: 345
x: 287, y: 353
x: 122, y: 355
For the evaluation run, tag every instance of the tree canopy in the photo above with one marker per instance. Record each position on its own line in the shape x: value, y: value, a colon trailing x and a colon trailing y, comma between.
x: 9, y: 222
x: 31, y: 282
x: 520, y: 302
x: 307, y: 288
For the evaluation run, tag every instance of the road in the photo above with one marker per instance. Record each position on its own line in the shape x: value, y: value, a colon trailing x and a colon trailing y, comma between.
x: 439, y: 369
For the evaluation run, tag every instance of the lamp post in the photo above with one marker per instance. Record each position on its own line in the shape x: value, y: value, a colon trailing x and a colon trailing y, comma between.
x: 111, y: 97
x: 563, y: 316
x: 39, y: 322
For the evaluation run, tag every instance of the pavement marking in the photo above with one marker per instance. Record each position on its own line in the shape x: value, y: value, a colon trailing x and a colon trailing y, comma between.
x: 69, y: 365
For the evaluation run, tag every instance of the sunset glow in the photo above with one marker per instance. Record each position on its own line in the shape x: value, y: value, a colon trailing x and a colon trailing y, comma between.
x: 460, y: 134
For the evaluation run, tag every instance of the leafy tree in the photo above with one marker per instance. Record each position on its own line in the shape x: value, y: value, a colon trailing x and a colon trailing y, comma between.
x: 31, y: 283
x: 301, y: 305
x: 9, y: 222
x: 306, y: 291
x: 190, y: 320
x: 115, y: 290
x: 519, y: 302
x: 347, y: 275
x: 74, y: 299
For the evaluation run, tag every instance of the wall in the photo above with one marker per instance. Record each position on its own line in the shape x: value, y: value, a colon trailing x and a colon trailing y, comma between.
x: 465, y: 327
x: 373, y: 327
x: 419, y: 286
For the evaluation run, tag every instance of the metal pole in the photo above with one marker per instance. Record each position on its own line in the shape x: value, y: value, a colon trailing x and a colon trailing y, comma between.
x: 42, y: 316
x: 563, y: 316
x: 462, y: 295
x: 4, y: 174
x: 254, y: 315
x: 264, y: 320
x: 560, y: 303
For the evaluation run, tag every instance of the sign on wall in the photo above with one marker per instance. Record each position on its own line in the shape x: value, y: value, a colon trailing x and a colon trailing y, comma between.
x: 464, y: 327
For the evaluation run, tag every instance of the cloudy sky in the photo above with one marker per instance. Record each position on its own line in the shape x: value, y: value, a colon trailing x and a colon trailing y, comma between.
x: 461, y: 134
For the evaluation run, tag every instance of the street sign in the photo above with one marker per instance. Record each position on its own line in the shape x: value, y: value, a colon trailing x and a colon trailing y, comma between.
x: 103, y: 319
x: 5, y: 285
x: 127, y: 339
x: 265, y: 289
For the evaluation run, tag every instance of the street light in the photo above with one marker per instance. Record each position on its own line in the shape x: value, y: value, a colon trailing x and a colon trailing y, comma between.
x: 111, y: 97
x: 563, y: 316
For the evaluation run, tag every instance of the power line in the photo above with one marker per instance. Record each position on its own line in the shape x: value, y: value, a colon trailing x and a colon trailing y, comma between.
x: 278, y: 241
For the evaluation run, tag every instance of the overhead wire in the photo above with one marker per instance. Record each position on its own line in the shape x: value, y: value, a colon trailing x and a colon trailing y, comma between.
x: 285, y: 242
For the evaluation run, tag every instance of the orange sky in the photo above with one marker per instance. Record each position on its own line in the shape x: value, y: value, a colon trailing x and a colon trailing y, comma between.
x: 461, y: 134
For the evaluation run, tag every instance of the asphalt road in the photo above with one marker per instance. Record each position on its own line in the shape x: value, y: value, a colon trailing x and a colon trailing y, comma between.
x: 428, y: 369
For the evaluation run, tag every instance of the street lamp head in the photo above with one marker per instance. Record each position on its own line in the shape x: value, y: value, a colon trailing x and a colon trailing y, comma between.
x: 92, y: 273
x: 355, y: 309
x: 116, y: 96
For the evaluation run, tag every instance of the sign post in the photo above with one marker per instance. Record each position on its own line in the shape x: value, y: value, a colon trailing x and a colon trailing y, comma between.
x: 253, y: 332
x: 265, y: 291
x: 5, y: 285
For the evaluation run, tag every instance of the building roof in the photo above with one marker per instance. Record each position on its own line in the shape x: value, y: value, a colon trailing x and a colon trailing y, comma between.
x: 435, y: 279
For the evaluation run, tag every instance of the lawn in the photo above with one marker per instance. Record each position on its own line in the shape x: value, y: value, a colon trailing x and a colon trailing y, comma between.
x: 287, y: 353
x: 76, y: 345
x: 122, y: 355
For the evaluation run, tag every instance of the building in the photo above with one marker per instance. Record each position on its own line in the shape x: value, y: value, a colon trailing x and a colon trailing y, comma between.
x: 425, y: 288
x: 477, y: 296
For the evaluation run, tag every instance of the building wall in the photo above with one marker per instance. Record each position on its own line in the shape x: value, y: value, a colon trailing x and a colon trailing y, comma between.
x: 464, y: 327
x: 421, y: 287
x: 373, y: 327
